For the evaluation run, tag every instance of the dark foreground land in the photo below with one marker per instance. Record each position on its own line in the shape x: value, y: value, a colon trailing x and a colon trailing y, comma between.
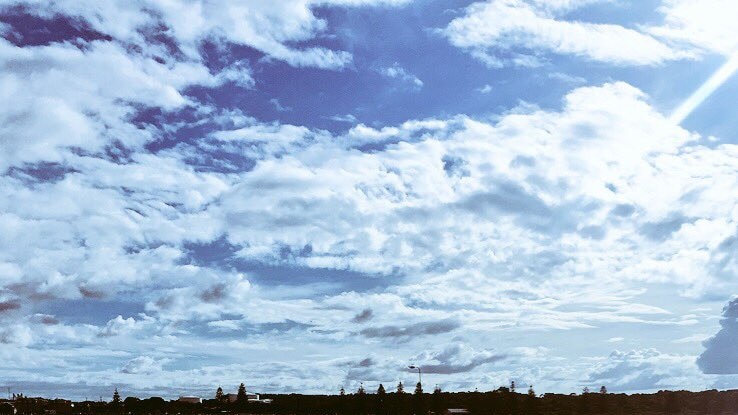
x: 499, y: 402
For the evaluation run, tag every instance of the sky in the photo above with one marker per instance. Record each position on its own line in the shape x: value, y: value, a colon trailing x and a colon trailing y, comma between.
x: 304, y: 195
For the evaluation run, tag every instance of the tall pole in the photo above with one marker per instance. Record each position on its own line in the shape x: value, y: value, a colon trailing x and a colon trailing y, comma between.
x: 418, y: 368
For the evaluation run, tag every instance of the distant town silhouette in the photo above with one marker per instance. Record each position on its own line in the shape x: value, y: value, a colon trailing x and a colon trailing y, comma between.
x: 502, y: 401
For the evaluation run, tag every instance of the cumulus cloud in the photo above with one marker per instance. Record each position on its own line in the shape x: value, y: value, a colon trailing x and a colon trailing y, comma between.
x: 142, y: 365
x: 410, y: 182
x: 120, y: 325
x: 468, y: 225
x: 531, y: 220
x: 720, y: 355
x: 75, y: 98
x: 495, y: 31
x: 645, y: 370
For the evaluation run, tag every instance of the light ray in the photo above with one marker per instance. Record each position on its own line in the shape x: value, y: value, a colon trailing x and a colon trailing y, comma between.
x: 703, y: 92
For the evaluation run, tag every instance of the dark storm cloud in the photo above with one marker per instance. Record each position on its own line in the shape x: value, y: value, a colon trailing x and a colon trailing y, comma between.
x: 214, y: 294
x: 367, y: 362
x: 418, y: 329
x: 450, y: 368
x: 48, y: 320
x: 365, y: 315
x: 457, y: 358
x: 90, y: 293
x: 9, y: 305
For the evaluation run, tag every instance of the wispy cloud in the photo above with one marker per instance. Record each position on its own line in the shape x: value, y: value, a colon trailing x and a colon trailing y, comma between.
x: 503, y: 32
x: 395, y: 71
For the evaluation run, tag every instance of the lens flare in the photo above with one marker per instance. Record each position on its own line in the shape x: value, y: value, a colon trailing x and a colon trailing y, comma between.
x: 699, y: 96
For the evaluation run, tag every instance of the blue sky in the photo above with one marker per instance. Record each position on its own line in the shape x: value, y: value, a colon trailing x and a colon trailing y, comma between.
x: 306, y: 195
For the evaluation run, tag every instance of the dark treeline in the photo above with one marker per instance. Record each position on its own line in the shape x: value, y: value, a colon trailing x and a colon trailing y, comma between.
x: 504, y: 402
x: 498, y: 402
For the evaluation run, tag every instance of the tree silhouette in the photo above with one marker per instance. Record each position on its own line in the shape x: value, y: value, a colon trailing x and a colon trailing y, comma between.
x: 531, y: 402
x: 219, y: 394
x: 437, y: 402
x: 381, y: 398
x: 418, y: 401
x: 116, y: 404
x: 360, y: 400
x: 602, y: 402
x: 130, y: 402
x: 342, y: 400
x: 584, y: 406
x: 241, y: 395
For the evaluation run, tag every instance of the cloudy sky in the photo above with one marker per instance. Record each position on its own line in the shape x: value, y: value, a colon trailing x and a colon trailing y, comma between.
x: 308, y: 194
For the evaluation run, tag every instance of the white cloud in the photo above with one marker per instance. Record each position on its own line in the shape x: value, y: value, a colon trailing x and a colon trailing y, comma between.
x: 720, y: 356
x: 278, y: 105
x: 486, y: 89
x: 83, y: 95
x: 538, y: 220
x: 121, y: 326
x: 238, y: 73
x: 268, y: 28
x: 143, y: 365
x: 17, y: 334
x: 646, y: 370
x: 566, y: 78
x: 347, y: 118
x: 396, y: 71
x: 705, y: 24
x: 66, y: 97
x: 456, y: 358
x: 565, y: 5
x: 494, y: 31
